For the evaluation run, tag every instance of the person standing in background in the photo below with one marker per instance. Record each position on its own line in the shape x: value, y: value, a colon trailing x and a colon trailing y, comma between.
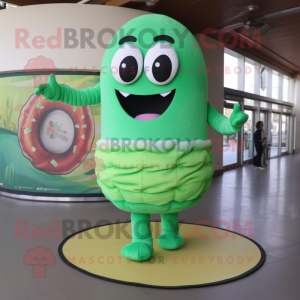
x: 258, y: 141
x: 264, y: 144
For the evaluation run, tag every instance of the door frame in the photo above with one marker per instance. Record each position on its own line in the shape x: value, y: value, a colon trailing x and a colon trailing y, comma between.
x: 288, y: 135
x: 254, y: 118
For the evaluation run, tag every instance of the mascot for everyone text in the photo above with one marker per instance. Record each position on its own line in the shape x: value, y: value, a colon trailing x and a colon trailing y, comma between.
x: 154, y: 153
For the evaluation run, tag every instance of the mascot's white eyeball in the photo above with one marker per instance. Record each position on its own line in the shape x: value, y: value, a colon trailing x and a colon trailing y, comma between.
x: 161, y: 63
x: 127, y: 64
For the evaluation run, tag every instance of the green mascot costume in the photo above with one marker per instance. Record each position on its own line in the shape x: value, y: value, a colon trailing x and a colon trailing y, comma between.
x: 154, y: 156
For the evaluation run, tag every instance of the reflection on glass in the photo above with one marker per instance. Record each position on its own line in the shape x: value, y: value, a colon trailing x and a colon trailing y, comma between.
x: 230, y: 144
x: 284, y: 133
x: 231, y: 71
x: 248, y: 136
x: 275, y: 106
x: 274, y: 134
x: 274, y: 86
x: 249, y: 78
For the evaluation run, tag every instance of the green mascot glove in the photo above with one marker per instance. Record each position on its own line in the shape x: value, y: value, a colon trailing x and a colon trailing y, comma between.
x: 224, y: 125
x: 54, y: 91
x: 238, y: 118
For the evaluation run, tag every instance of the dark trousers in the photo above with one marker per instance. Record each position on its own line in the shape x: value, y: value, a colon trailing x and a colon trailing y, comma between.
x: 257, y: 157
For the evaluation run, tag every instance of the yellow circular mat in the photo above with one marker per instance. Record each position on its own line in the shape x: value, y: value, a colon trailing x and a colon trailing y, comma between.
x: 209, y: 256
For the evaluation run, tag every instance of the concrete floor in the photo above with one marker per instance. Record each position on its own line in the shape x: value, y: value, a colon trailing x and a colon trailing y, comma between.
x: 269, y: 198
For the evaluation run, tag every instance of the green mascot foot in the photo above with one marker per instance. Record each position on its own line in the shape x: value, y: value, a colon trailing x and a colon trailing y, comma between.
x: 138, y: 251
x: 170, y: 240
x: 141, y: 248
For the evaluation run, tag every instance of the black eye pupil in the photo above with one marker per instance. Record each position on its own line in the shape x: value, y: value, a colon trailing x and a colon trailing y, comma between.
x: 128, y: 68
x: 162, y: 68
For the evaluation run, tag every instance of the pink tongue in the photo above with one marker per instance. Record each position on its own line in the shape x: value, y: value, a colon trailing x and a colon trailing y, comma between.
x: 147, y: 117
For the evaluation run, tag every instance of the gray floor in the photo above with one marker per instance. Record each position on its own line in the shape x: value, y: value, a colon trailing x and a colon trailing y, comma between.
x: 269, y: 198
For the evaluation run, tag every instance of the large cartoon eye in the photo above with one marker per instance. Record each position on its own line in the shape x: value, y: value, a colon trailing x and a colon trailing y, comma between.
x: 127, y: 64
x: 161, y: 63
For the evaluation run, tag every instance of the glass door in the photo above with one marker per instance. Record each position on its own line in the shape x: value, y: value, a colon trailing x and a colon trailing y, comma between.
x: 230, y: 142
x: 284, y: 133
x: 264, y: 118
x: 274, y: 134
x: 248, y: 136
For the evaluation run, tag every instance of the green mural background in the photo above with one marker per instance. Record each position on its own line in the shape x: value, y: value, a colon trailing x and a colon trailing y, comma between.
x: 16, y: 171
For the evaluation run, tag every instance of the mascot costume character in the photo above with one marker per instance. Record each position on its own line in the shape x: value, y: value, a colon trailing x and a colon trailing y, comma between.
x: 154, y: 155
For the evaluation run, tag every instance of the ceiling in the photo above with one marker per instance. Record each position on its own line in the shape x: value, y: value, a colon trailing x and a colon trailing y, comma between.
x: 280, y: 45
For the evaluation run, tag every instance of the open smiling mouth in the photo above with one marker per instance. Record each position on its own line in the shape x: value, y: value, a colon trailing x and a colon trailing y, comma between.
x: 145, y: 108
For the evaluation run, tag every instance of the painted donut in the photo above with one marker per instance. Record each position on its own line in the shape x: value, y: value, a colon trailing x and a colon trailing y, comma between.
x: 54, y: 136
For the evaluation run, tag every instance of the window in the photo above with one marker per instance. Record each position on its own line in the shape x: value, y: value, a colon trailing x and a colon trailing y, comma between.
x: 286, y: 88
x: 249, y: 78
x: 230, y: 101
x: 6, y: 5
x: 245, y: 74
x: 231, y: 71
x: 276, y: 88
x: 263, y: 104
x: 249, y: 102
x: 287, y: 110
x: 275, y: 85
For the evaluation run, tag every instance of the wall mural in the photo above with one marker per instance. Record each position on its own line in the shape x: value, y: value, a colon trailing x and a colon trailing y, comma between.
x: 47, y: 147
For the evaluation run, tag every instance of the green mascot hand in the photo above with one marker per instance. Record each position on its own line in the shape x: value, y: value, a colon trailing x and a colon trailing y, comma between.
x: 238, y: 118
x: 54, y: 91
x: 50, y: 90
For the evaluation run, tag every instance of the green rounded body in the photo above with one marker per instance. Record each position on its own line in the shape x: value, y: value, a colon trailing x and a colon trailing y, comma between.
x: 180, y: 174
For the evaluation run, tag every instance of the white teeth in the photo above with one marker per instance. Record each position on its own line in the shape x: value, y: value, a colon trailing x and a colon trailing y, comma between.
x: 165, y: 94
x: 124, y: 94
